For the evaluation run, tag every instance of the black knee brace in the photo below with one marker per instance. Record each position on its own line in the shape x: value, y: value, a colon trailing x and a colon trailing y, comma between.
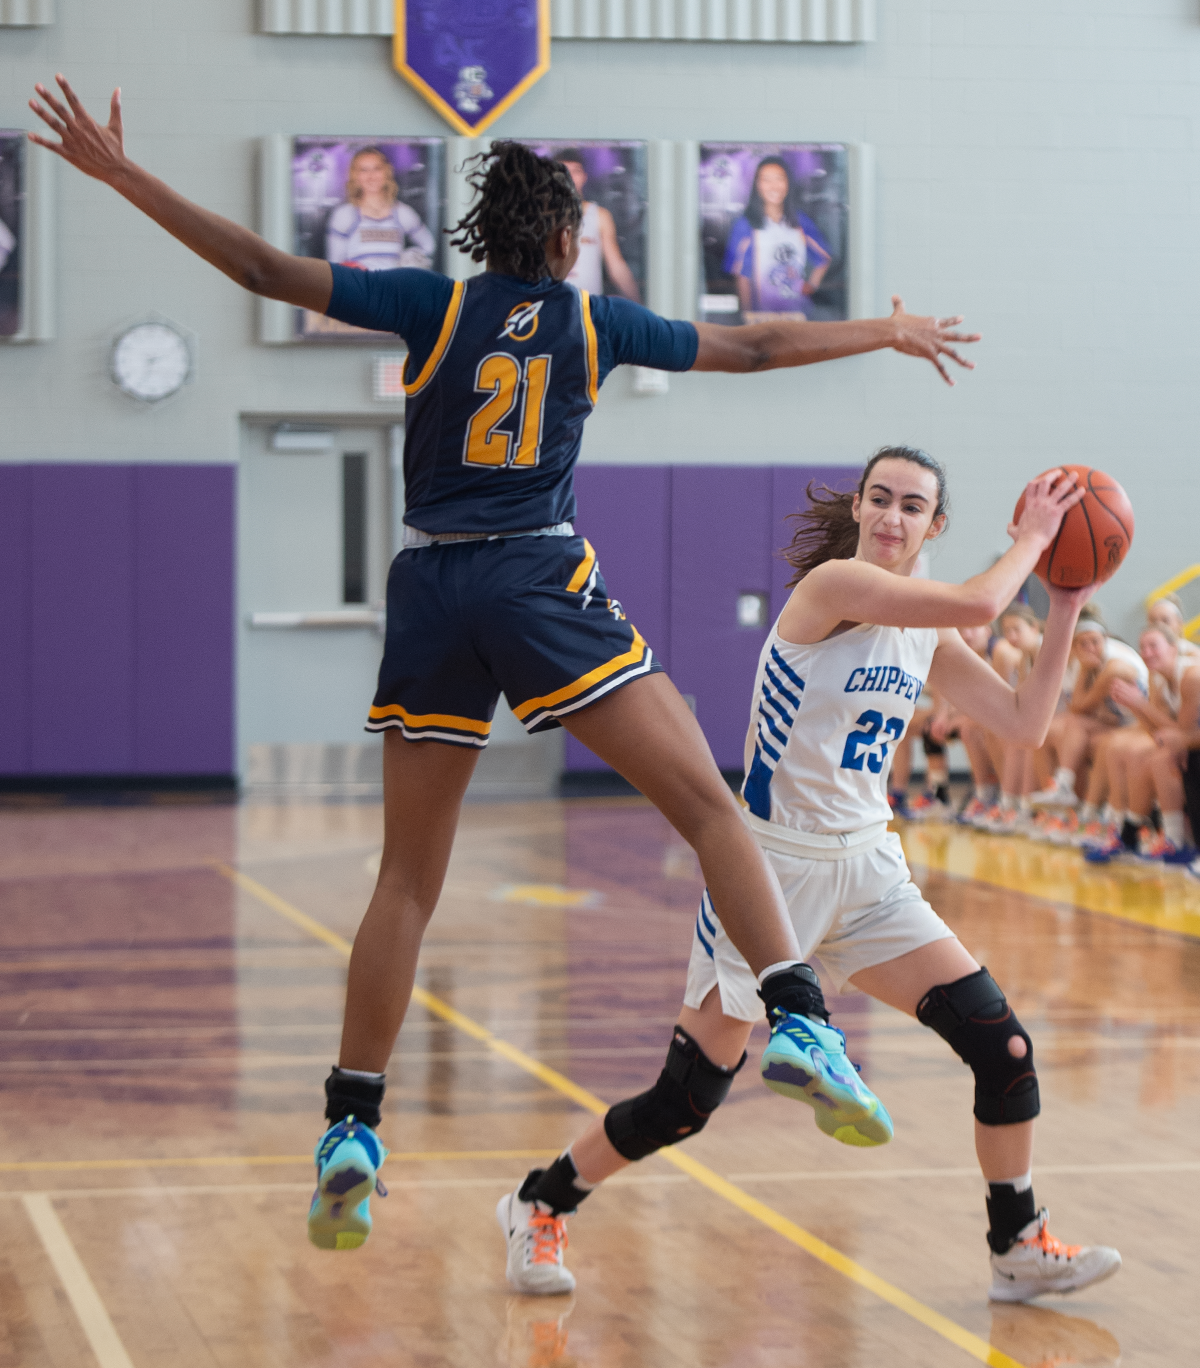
x: 689, y: 1089
x: 973, y: 1015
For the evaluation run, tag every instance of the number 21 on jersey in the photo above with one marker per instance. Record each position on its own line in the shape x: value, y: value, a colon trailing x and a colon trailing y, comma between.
x: 502, y: 378
x: 860, y: 745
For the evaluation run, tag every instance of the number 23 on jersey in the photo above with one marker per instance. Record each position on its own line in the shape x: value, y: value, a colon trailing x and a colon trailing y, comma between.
x: 860, y: 745
x: 502, y: 377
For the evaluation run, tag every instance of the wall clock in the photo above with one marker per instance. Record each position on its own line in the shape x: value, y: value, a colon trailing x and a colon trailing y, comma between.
x: 151, y: 361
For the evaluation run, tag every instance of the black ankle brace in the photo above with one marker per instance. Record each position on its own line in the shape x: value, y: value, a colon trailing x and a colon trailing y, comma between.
x: 796, y: 990
x: 346, y: 1095
x: 1009, y: 1212
x: 554, y: 1187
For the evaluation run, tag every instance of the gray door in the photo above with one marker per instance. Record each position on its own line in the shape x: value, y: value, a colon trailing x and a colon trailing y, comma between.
x: 315, y: 540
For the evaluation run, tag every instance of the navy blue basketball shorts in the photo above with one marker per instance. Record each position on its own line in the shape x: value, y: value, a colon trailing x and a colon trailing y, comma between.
x: 528, y: 617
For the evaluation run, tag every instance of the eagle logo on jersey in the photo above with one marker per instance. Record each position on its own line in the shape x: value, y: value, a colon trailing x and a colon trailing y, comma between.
x: 522, y: 321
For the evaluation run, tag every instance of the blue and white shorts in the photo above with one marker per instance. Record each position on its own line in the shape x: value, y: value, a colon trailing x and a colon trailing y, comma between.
x: 853, y: 907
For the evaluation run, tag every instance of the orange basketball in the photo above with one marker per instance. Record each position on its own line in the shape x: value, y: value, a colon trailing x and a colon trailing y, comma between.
x: 1094, y: 536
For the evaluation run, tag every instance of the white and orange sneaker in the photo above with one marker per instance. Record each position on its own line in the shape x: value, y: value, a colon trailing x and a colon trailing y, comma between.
x: 973, y: 810
x: 1038, y: 1263
x: 536, y: 1241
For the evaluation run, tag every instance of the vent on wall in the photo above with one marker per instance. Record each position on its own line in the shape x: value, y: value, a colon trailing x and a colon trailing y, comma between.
x: 26, y: 13
x: 713, y: 21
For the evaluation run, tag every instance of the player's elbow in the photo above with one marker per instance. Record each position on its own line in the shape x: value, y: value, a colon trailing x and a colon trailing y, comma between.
x: 980, y: 607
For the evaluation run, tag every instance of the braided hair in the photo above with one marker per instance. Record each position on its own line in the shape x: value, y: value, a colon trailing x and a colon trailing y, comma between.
x: 522, y: 200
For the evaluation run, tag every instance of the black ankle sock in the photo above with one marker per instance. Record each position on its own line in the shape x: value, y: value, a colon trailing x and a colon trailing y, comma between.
x: 1009, y: 1212
x: 1129, y: 834
x: 555, y: 1186
x: 942, y: 794
x: 347, y: 1095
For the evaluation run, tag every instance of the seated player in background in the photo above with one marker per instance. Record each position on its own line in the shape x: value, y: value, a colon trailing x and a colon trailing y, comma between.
x: 837, y: 685
x: 1090, y: 714
x: 1013, y: 656
x: 1140, y: 771
x: 985, y: 780
x: 493, y: 591
x: 1168, y: 612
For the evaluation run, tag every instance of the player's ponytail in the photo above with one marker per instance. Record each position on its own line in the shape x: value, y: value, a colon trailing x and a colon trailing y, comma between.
x: 522, y: 199
x: 826, y: 529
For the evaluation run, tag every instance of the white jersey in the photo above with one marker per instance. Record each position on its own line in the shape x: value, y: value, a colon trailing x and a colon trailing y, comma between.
x: 378, y: 244
x: 1171, y: 686
x: 1118, y: 650
x: 588, y: 272
x: 825, y: 718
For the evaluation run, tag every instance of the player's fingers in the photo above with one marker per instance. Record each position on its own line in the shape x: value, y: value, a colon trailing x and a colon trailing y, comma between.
x: 47, y: 118
x: 962, y: 337
x: 114, y: 112
x: 55, y: 103
x: 45, y: 142
x: 950, y: 322
x: 72, y: 99
x: 897, y: 305
x: 954, y: 356
x: 942, y: 371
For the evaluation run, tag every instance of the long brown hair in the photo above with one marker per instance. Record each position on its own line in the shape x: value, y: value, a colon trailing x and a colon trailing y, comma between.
x: 826, y: 529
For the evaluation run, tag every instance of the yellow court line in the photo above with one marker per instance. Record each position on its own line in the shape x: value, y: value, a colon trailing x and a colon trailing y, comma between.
x: 759, y: 1211
x: 231, y: 1160
x: 1162, y: 898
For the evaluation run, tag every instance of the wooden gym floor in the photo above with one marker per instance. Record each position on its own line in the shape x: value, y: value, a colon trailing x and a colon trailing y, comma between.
x: 172, y: 990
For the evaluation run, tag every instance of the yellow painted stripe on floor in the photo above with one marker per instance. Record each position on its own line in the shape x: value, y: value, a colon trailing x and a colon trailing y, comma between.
x: 759, y: 1211
x: 233, y: 1160
x: 1147, y: 895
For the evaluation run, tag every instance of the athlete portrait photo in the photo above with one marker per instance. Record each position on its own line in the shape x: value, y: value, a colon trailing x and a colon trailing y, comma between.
x: 373, y: 204
x: 12, y: 152
x: 774, y: 228
x: 610, y: 180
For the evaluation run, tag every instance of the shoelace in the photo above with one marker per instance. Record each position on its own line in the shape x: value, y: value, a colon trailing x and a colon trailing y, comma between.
x: 798, y: 1031
x: 1050, y: 1244
x: 549, y: 1237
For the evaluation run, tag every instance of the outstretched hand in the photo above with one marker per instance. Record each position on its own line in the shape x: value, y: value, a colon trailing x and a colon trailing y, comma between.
x: 96, y: 149
x: 930, y: 338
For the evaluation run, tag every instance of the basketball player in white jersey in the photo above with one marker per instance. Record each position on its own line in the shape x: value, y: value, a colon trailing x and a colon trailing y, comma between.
x: 599, y: 250
x: 837, y: 684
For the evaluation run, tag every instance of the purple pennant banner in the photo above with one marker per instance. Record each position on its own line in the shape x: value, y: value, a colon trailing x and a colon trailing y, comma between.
x: 472, y: 59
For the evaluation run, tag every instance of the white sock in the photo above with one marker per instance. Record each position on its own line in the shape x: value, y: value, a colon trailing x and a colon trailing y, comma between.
x: 1064, y: 779
x: 1024, y: 806
x: 1007, y: 802
x: 1136, y: 819
x: 1173, y: 829
x: 1110, y: 816
x: 361, y: 1073
x: 987, y: 794
x: 777, y: 969
x: 1087, y: 813
x: 1021, y: 1184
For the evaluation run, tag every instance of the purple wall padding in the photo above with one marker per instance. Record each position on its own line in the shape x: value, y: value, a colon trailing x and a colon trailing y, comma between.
x: 184, y: 692
x: 81, y: 604
x: 720, y: 548
x: 117, y: 613
x: 625, y: 512
x: 14, y: 619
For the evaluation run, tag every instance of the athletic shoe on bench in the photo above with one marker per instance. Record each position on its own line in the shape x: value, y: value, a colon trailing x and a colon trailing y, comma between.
x: 806, y: 1060
x: 349, y: 1157
x: 974, y: 808
x: 1038, y: 1263
x: 536, y: 1240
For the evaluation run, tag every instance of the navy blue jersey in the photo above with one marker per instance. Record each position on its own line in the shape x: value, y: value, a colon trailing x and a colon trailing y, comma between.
x: 501, y: 374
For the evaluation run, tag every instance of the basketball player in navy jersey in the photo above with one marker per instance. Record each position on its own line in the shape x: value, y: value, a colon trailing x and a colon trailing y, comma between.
x: 493, y: 591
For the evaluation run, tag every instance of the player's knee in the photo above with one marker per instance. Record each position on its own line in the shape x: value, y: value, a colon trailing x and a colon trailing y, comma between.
x: 689, y: 1089
x: 974, y: 1017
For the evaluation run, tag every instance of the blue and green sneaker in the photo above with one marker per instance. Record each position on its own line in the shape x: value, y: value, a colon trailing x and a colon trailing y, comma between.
x: 349, y: 1157
x: 807, y: 1060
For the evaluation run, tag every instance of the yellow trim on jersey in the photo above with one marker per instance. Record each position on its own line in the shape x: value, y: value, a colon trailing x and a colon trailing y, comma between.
x: 583, y: 569
x: 449, y: 324
x: 585, y: 682
x: 593, y: 365
x: 470, y: 724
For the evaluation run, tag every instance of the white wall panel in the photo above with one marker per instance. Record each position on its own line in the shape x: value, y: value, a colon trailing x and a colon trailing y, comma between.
x: 26, y: 13
x: 713, y: 21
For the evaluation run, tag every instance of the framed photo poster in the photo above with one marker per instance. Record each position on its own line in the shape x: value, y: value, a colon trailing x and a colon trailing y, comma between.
x: 371, y: 203
x: 774, y: 231
x: 611, y: 178
x: 12, y: 198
